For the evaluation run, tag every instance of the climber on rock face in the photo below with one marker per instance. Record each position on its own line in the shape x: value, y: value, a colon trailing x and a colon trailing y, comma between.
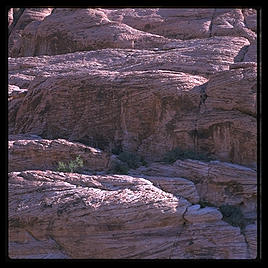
x: 203, y: 96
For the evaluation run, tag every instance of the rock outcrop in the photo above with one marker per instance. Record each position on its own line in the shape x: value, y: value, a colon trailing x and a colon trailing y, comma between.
x: 81, y: 216
x: 217, y: 183
x: 96, y: 82
x: 29, y: 153
x: 136, y: 104
x: 73, y: 29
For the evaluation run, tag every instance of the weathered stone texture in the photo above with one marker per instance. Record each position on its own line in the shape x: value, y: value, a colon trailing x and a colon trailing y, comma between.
x: 73, y: 29
x: 35, y: 153
x: 216, y: 182
x: 93, y: 81
x: 80, y: 216
x: 136, y: 104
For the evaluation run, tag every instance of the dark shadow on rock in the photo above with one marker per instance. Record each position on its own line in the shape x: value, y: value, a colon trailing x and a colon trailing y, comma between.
x: 241, y: 54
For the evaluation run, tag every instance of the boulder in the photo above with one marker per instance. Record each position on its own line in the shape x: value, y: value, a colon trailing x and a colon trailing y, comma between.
x: 21, y: 18
x: 214, y: 238
x: 92, y: 216
x: 196, y: 214
x: 27, y: 152
x: 180, y: 23
x: 179, y: 187
x: 217, y: 183
x: 231, y: 22
x: 68, y: 30
x: 234, y: 89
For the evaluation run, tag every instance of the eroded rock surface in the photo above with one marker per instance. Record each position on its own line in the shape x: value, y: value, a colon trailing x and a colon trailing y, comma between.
x: 27, y: 152
x: 113, y: 216
x: 137, y: 104
x: 216, y: 182
x: 96, y: 81
x: 66, y: 30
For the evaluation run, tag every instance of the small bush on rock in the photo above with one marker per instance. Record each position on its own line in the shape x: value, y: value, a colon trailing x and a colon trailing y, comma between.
x: 72, y: 166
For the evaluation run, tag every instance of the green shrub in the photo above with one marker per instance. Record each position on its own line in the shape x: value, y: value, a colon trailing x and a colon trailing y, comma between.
x: 178, y: 154
x: 62, y: 167
x: 72, y: 166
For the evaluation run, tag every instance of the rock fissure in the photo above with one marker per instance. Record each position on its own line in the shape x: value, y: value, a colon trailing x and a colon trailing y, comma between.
x: 211, y: 23
x: 177, y: 237
x: 241, y: 55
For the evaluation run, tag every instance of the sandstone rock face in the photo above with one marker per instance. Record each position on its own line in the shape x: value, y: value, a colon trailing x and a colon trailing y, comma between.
x: 40, y: 154
x: 250, y: 235
x: 135, y: 104
x: 176, y: 186
x: 216, y: 182
x: 73, y: 29
x: 194, y: 214
x: 95, y: 82
x: 20, y: 20
x: 239, y: 76
x: 80, y: 216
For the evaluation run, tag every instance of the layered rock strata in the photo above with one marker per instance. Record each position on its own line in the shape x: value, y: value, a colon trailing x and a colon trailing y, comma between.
x: 136, y: 105
x: 28, y: 153
x: 115, y: 216
x: 92, y: 81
